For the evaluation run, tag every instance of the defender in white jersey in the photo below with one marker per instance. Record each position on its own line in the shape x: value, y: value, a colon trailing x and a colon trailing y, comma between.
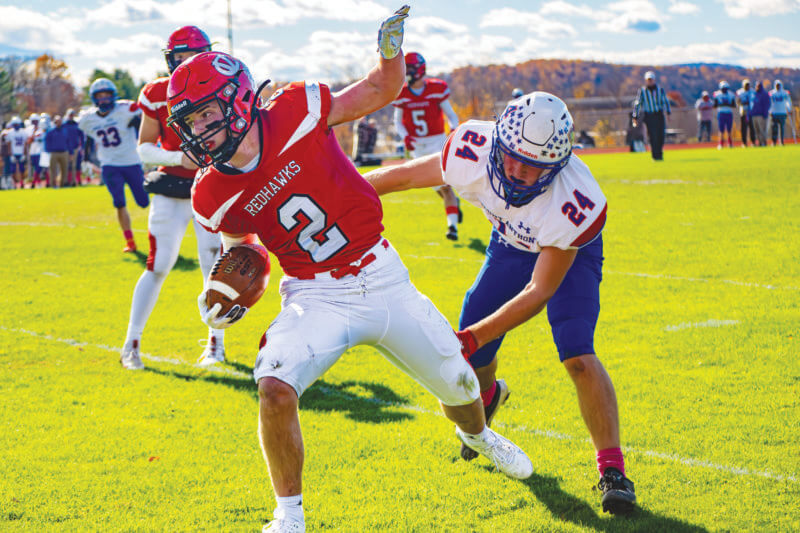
x: 546, y: 250
x: 17, y: 137
x: 112, y: 125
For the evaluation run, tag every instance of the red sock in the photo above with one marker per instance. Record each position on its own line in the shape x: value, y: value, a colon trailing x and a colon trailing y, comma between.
x: 488, y: 394
x: 128, y: 235
x: 451, y: 210
x: 610, y: 457
x: 78, y: 177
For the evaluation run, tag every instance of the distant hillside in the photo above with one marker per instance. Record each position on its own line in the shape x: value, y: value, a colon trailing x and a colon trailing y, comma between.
x: 572, y: 78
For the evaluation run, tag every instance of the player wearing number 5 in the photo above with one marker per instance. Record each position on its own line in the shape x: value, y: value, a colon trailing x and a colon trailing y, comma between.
x: 419, y: 114
x: 546, y: 250
x: 112, y: 124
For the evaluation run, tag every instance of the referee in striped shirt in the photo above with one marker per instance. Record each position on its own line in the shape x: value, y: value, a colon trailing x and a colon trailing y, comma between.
x: 652, y: 100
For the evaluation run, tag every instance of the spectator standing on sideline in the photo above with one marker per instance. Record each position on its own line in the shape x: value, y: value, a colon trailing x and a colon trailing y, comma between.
x: 743, y: 97
x: 780, y: 105
x: 6, y: 182
x: 75, y: 140
x: 652, y: 101
x: 724, y: 101
x: 705, y: 108
x: 759, y: 110
x: 56, y: 144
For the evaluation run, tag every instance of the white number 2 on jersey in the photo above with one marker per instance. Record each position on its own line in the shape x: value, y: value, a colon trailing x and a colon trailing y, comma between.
x: 334, y: 238
x: 418, y: 118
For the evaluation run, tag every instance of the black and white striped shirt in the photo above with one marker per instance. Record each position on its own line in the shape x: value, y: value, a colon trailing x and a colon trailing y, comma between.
x: 651, y: 101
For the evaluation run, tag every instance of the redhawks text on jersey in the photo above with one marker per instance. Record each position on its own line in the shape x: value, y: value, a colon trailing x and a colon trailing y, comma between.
x: 305, y: 200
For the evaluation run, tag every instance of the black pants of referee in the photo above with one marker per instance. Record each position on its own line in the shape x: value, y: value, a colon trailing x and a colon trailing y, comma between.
x: 655, y: 133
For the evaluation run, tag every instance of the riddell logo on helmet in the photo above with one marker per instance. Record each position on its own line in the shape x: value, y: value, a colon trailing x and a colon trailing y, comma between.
x: 180, y: 105
x: 225, y: 65
x: 525, y: 152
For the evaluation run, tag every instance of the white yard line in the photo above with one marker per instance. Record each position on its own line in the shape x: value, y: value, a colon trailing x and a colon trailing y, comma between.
x: 711, y: 323
x: 688, y: 461
x: 636, y: 274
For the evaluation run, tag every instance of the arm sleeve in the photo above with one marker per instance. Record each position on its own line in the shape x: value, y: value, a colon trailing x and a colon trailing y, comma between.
x: 452, y: 118
x: 666, y: 101
x: 398, y: 123
x: 155, y: 155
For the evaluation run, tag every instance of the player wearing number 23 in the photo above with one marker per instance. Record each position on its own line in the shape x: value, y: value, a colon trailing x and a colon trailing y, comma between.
x: 113, y: 124
x: 279, y: 173
x: 545, y: 250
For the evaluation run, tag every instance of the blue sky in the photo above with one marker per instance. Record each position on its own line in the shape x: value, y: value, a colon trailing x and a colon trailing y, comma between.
x: 332, y: 40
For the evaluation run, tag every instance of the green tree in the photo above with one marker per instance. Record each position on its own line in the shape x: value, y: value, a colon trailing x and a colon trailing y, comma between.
x: 126, y: 87
x: 7, y: 100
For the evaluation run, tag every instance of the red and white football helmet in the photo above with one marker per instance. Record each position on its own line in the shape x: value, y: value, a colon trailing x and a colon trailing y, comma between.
x: 203, y: 79
x: 185, y: 39
x: 415, y: 67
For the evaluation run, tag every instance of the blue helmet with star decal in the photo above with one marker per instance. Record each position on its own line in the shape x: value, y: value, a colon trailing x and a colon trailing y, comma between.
x: 537, y: 130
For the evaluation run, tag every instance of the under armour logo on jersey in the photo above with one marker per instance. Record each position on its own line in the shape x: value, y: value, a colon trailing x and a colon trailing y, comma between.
x: 225, y: 65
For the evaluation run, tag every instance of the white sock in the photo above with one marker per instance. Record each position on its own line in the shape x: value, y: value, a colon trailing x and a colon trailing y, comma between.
x: 218, y: 334
x: 452, y: 220
x: 145, y: 296
x: 478, y: 437
x: 290, y: 507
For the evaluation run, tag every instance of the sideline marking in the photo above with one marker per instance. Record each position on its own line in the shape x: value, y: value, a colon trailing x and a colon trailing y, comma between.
x: 60, y: 225
x: 688, y: 461
x: 711, y: 323
x: 635, y: 274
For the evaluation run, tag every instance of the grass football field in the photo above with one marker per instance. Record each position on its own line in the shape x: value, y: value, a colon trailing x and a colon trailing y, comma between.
x: 699, y: 330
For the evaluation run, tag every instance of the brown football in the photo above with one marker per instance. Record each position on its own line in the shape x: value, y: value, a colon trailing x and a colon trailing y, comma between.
x: 240, y: 276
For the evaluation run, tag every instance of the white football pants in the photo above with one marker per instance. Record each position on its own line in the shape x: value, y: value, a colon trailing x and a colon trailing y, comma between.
x: 167, y: 223
x: 323, y: 317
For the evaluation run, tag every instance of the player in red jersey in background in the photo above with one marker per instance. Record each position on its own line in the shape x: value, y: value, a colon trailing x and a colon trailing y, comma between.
x: 279, y: 173
x: 170, y: 207
x: 419, y: 119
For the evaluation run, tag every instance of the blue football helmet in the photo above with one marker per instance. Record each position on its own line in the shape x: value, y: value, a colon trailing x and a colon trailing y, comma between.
x: 537, y: 130
x: 106, y: 103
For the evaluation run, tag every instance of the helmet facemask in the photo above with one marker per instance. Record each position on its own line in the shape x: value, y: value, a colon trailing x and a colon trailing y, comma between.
x: 195, y: 146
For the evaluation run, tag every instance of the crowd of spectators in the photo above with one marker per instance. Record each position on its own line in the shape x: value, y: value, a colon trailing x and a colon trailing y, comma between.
x: 763, y: 113
x: 42, y: 152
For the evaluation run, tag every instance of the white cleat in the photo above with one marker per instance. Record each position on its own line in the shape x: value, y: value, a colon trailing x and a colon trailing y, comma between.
x: 213, y: 354
x: 130, y: 358
x: 506, y: 456
x: 284, y: 525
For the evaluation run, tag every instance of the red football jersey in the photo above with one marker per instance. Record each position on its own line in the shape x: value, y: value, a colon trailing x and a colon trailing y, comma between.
x: 305, y: 200
x: 422, y: 115
x: 153, y: 103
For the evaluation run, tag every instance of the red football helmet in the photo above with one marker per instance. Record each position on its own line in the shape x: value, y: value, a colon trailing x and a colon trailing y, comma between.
x: 415, y: 67
x: 186, y: 39
x: 203, y: 79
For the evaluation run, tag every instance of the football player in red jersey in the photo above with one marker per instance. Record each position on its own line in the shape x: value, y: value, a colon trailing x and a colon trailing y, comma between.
x: 419, y: 119
x: 279, y: 173
x: 170, y: 207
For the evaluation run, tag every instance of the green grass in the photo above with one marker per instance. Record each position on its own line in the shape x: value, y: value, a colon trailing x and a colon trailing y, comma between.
x: 710, y: 415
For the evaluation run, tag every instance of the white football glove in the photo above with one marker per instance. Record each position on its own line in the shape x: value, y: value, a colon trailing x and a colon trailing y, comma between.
x: 209, y: 316
x: 390, y: 34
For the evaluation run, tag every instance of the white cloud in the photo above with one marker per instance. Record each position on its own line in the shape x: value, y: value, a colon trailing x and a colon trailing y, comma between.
x: 683, y: 8
x: 534, y: 22
x: 759, y: 8
x: 629, y: 16
x: 565, y: 8
x: 38, y: 31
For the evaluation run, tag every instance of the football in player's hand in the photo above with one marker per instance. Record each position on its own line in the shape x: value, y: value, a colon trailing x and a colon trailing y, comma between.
x: 239, y: 277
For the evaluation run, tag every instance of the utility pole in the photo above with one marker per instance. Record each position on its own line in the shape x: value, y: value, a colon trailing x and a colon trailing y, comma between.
x: 230, y: 29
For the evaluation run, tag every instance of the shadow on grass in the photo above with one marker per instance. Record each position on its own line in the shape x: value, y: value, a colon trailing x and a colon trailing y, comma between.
x: 476, y: 245
x: 568, y: 508
x: 183, y: 263
x: 378, y: 406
